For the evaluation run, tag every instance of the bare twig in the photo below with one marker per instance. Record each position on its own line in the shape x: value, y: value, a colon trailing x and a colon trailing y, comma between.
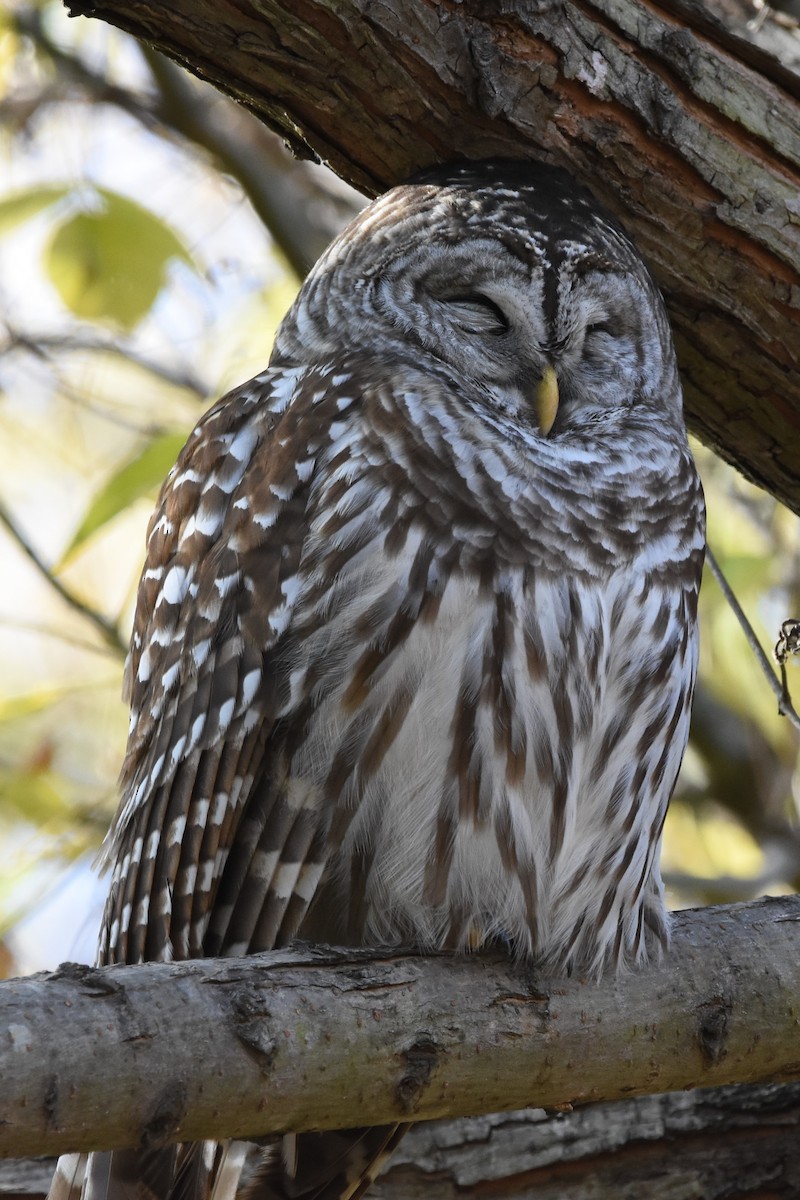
x: 39, y: 629
x: 108, y: 631
x: 27, y: 21
x: 785, y: 707
x: 44, y: 346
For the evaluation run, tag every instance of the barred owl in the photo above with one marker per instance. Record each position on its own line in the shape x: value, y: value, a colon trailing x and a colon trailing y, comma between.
x: 415, y: 640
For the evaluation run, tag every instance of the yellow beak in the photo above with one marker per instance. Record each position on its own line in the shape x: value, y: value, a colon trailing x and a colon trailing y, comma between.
x: 547, y: 401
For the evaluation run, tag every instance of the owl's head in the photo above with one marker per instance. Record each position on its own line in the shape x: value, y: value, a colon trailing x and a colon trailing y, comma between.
x: 512, y: 277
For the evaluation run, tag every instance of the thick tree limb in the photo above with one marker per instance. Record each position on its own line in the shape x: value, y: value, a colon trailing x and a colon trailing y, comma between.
x: 690, y: 135
x: 320, y: 1038
x: 711, y: 1143
x: 691, y: 1143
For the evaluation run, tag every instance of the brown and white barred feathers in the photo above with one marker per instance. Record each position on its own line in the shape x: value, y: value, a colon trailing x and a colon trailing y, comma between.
x: 415, y: 642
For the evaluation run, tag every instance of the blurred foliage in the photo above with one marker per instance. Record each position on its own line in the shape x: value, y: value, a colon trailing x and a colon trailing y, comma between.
x: 140, y: 476
x: 137, y: 282
x: 110, y: 265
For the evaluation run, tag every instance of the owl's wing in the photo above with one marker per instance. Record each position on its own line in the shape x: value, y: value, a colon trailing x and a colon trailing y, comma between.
x: 195, y: 869
x: 203, y: 676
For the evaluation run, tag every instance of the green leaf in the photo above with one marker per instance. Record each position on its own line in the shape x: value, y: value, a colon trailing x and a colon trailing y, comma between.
x: 16, y: 209
x: 110, y: 265
x: 139, y: 476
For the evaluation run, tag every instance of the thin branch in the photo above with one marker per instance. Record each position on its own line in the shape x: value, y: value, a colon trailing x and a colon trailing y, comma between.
x: 39, y: 629
x: 109, y: 632
x: 724, y: 889
x: 785, y: 707
x: 47, y: 349
x: 42, y: 345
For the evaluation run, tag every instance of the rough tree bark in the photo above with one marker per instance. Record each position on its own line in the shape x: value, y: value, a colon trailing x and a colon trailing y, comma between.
x: 319, y: 1038
x: 691, y: 136
x: 703, y: 1145
x: 669, y: 1147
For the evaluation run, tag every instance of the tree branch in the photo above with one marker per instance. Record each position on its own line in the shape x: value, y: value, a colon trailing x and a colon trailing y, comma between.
x: 778, y: 688
x: 47, y: 346
x: 703, y: 1143
x: 323, y: 1038
x: 698, y: 1141
x: 109, y: 632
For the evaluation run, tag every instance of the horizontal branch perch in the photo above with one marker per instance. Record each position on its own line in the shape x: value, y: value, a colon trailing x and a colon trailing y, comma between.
x: 323, y: 1038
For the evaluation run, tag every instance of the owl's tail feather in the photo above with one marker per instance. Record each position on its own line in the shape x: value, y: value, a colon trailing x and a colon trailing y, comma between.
x: 338, y: 1165
x: 196, y: 1171
x: 68, y: 1179
x: 114, y: 1175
